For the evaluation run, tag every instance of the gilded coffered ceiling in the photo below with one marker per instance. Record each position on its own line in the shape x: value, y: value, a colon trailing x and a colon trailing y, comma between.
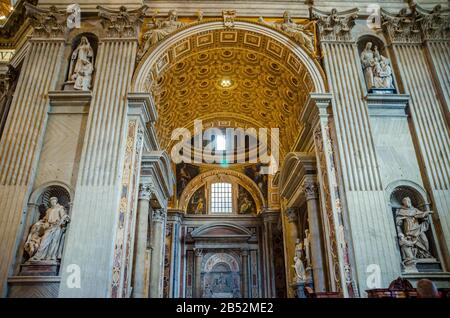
x: 230, y: 78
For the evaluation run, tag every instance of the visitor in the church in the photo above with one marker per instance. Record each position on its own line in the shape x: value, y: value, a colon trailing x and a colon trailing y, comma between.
x: 427, y: 289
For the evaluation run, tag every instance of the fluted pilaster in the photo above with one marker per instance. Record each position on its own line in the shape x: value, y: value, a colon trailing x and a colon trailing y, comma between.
x: 22, y: 138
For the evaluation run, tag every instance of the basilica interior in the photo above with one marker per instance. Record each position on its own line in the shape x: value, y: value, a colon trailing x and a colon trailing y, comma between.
x: 224, y: 149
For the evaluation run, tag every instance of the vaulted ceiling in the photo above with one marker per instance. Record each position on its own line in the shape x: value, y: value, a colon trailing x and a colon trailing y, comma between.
x: 230, y: 78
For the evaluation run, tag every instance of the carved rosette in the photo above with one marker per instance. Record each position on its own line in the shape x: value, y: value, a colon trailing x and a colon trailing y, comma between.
x: 159, y: 215
x: 334, y: 25
x: 49, y: 23
x: 309, y: 187
x: 121, y: 23
x: 292, y: 215
x: 403, y: 27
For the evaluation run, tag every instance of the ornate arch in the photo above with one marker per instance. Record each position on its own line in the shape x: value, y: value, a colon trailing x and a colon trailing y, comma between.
x: 154, y: 55
x: 235, y: 176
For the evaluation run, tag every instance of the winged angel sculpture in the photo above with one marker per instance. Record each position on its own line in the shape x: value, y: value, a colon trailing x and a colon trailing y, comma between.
x: 123, y: 22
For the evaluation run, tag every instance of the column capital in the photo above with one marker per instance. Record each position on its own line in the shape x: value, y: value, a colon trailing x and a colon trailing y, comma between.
x: 244, y: 252
x: 334, y: 25
x: 310, y: 188
x: 402, y: 27
x: 198, y: 252
x: 47, y: 23
x: 122, y: 23
x: 145, y: 190
x: 159, y: 215
x: 434, y: 23
x: 292, y: 215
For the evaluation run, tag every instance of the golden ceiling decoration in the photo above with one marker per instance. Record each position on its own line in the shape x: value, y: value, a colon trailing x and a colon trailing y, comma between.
x: 265, y: 84
x: 5, y: 8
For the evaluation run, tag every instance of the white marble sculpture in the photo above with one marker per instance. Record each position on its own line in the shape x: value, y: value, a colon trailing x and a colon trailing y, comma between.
x: 376, y: 68
x: 296, y: 31
x: 412, y: 225
x: 159, y: 29
x: 45, y: 241
x: 82, y: 65
x: 299, y: 268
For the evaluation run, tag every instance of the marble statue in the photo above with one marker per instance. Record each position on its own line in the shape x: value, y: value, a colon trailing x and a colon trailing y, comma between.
x: 82, y: 65
x: 376, y: 68
x: 296, y: 31
x: 412, y: 225
x: 45, y: 241
x: 299, y: 268
x: 159, y: 29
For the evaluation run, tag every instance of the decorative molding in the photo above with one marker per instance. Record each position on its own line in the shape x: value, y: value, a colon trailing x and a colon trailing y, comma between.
x: 48, y: 23
x: 334, y: 25
x: 198, y: 252
x: 123, y: 22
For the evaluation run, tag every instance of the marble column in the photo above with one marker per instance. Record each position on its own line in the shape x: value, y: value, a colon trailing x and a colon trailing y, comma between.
x: 270, y: 219
x: 310, y: 189
x: 22, y: 138
x: 157, y: 255
x: 292, y: 216
x: 198, y: 273
x: 140, y: 279
x: 245, y: 282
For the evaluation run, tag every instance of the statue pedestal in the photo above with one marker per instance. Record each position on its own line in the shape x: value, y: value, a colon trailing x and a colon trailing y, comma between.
x: 299, y: 288
x: 40, y: 268
x: 382, y: 91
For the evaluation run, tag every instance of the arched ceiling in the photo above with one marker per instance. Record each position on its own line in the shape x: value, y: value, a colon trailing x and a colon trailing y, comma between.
x: 269, y: 85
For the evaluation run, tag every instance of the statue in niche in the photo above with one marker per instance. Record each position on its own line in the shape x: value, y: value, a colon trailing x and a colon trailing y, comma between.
x: 297, y: 31
x: 300, y: 272
x: 46, y: 238
x: 159, y: 29
x: 376, y: 68
x: 412, y: 225
x: 82, y: 65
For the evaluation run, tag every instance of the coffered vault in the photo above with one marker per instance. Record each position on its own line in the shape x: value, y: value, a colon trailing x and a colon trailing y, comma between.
x: 228, y: 78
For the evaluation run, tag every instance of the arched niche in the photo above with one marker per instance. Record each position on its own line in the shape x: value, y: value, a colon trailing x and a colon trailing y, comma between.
x: 397, y: 192
x: 219, y: 175
x: 38, y: 203
x: 74, y: 43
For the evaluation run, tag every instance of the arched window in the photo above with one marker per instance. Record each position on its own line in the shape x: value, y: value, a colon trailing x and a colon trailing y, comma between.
x: 221, y: 198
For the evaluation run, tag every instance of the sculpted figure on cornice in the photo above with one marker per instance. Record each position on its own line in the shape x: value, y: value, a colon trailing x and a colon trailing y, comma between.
x: 296, y: 31
x: 159, y: 29
x: 335, y: 25
x: 121, y: 23
x: 47, y: 23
